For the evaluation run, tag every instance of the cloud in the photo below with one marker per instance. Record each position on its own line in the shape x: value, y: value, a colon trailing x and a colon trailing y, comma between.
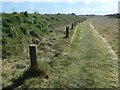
x: 89, y: 7
x: 84, y: 10
x: 56, y: 5
x: 101, y: 8
x: 71, y: 1
x: 41, y: 0
x: 119, y: 7
x: 40, y: 8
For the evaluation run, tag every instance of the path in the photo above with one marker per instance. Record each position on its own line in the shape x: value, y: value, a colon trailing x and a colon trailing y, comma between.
x: 92, y: 64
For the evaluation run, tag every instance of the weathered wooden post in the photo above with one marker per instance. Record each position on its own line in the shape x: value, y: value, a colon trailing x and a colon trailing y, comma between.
x: 72, y: 26
x: 33, y: 59
x: 67, y: 32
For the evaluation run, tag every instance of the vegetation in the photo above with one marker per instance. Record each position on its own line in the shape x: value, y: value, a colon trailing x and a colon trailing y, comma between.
x: 117, y: 15
x: 81, y: 60
x: 19, y: 27
x: 108, y: 28
x: 22, y: 29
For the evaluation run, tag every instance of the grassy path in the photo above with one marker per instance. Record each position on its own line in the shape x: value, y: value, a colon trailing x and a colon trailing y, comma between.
x: 93, y: 64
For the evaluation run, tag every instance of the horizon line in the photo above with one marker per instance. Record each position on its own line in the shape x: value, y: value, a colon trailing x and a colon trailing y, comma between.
x: 57, y: 13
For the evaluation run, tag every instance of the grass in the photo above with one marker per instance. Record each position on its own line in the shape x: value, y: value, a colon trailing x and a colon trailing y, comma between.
x: 84, y: 63
x: 95, y: 62
x: 23, y: 27
x: 89, y: 64
x: 108, y: 28
x: 93, y: 66
x: 19, y: 31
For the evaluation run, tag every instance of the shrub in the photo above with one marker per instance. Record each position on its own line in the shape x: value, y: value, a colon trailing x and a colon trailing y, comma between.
x: 4, y: 41
x: 34, y: 16
x: 26, y: 14
x: 34, y: 21
x: 32, y: 33
x: 73, y: 14
x: 18, y: 18
x: 14, y: 12
x: 4, y: 53
x: 6, y: 30
x: 10, y: 34
x: 39, y: 26
x: 52, y: 18
x: 35, y: 41
x: 23, y: 30
x: 8, y: 20
x: 47, y: 18
x: 5, y: 23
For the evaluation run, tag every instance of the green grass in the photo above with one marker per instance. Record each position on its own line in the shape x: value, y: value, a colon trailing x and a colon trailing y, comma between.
x: 86, y: 62
x: 20, y: 28
x: 19, y: 31
x: 89, y: 64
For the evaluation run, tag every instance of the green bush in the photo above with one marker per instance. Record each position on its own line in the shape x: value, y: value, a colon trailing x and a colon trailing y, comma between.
x: 33, y: 33
x: 18, y: 18
x: 4, y: 53
x: 23, y: 30
x: 10, y: 34
x: 26, y: 14
x: 4, y: 41
x: 14, y: 12
x: 5, y: 23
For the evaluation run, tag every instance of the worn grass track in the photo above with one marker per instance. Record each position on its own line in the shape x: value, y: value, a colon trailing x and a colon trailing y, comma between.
x: 96, y: 66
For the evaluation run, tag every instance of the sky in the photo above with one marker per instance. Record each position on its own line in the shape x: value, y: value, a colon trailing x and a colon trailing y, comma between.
x: 99, y: 7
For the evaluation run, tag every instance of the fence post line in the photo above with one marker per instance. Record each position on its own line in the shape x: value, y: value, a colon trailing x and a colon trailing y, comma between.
x: 33, y: 59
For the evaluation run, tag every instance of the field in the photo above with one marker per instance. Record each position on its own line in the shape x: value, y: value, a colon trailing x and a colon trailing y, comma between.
x: 86, y: 59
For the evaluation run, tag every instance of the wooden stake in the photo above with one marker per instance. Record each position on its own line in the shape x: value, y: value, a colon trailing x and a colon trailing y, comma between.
x: 33, y: 59
x: 67, y: 32
x: 72, y: 26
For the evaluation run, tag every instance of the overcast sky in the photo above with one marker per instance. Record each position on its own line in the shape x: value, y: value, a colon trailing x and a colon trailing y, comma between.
x: 59, y: 6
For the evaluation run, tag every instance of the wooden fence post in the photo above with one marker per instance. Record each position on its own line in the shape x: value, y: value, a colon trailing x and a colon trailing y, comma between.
x: 33, y: 59
x: 67, y: 32
x: 72, y: 26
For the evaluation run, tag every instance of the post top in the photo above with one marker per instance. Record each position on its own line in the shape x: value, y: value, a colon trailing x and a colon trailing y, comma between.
x: 33, y: 45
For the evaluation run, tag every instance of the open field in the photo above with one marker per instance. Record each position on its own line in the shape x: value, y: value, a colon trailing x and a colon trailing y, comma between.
x: 83, y: 60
